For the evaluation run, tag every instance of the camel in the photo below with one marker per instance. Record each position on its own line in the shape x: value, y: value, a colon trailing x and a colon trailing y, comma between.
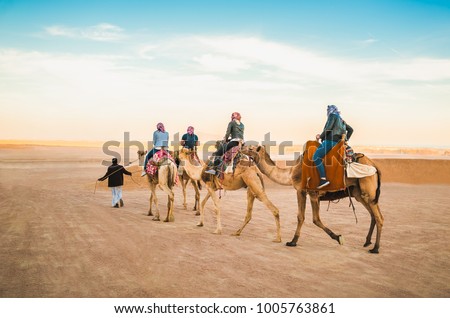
x: 365, y: 190
x: 167, y: 173
x: 246, y: 175
x: 184, y: 180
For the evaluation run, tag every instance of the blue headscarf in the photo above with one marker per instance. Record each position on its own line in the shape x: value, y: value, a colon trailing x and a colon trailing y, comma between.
x: 332, y: 109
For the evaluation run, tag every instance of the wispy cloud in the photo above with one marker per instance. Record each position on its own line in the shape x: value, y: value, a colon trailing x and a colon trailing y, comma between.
x: 101, y: 32
x: 215, y: 63
x: 199, y: 72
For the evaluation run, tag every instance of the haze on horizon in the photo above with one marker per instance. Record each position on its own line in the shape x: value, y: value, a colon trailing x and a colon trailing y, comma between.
x: 93, y: 71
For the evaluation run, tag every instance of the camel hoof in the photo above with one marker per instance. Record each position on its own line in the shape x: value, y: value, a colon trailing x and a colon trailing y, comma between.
x: 292, y: 244
x: 217, y: 232
x: 197, y: 213
x: 200, y: 225
x: 277, y: 241
x: 150, y: 214
x: 367, y: 244
x: 374, y: 251
x: 155, y: 219
x: 236, y: 234
x: 341, y: 240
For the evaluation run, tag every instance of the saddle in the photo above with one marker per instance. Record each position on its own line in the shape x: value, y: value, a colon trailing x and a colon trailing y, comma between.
x: 333, y: 163
x: 156, y: 161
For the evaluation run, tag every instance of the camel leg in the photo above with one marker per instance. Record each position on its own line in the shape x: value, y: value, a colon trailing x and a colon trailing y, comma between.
x: 376, y: 218
x: 213, y: 195
x: 170, y: 199
x: 248, y: 216
x: 379, y: 222
x: 301, y: 202
x: 202, y: 209
x: 257, y: 189
x: 183, y: 187
x: 314, y: 198
x: 150, y: 207
x: 197, y: 197
x: 155, y: 201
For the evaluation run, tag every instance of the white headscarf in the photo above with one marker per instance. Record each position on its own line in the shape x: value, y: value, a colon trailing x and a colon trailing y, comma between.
x: 332, y: 109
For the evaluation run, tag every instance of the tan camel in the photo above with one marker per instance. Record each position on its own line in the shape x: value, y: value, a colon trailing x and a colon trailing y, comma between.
x: 245, y: 175
x: 184, y: 180
x: 167, y: 172
x: 365, y: 190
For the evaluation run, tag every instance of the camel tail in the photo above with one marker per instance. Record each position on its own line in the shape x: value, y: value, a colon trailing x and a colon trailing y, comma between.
x: 171, y: 175
x: 378, y: 192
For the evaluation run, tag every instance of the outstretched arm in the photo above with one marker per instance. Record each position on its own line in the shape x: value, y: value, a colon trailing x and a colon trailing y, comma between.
x: 105, y: 176
x: 125, y: 171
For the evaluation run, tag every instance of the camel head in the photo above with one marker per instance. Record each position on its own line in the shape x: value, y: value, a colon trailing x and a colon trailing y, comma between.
x: 252, y: 152
x: 184, y: 154
x: 141, y: 153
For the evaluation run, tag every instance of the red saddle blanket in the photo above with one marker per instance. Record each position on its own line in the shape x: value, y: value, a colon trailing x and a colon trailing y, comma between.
x: 154, y: 163
x: 333, y: 163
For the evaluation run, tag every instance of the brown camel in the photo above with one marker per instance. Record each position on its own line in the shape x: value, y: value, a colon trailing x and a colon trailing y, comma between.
x: 365, y: 190
x: 166, y: 178
x: 184, y: 180
x: 245, y: 175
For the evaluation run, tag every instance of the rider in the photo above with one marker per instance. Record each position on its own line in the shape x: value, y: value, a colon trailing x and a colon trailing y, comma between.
x: 190, y: 140
x: 160, y: 141
x: 332, y: 133
x: 234, y: 136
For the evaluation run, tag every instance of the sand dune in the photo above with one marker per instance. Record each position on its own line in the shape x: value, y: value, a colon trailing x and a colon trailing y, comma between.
x: 59, y: 239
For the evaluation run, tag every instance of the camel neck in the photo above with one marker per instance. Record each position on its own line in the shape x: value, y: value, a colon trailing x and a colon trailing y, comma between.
x: 193, y: 171
x: 273, y: 172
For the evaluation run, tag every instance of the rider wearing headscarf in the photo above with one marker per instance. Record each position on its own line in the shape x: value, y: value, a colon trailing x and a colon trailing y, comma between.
x: 160, y: 141
x: 332, y: 133
x: 189, y: 140
x: 234, y: 136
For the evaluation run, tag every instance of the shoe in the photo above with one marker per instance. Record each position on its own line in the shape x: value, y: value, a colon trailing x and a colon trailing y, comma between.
x: 211, y: 171
x: 143, y: 174
x: 323, y: 183
x: 121, y: 203
x: 116, y: 206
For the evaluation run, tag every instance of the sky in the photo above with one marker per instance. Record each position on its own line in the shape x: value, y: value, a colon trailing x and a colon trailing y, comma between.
x: 95, y: 70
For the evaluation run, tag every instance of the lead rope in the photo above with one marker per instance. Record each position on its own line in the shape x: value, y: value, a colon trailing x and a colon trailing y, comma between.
x: 106, y: 177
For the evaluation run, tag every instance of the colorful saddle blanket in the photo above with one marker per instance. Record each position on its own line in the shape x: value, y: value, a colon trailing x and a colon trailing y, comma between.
x: 333, y: 163
x: 154, y: 163
x: 229, y: 160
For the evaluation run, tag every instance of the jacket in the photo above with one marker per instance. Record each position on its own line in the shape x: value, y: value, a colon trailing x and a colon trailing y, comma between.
x: 334, y: 128
x: 160, y: 139
x: 235, y: 130
x: 115, y: 175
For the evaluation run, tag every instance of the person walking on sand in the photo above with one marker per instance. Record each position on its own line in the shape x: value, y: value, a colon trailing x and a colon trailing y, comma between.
x: 115, y: 174
x: 332, y: 133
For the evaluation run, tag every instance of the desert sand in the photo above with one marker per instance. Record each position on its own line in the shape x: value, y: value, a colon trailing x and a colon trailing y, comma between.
x: 59, y: 239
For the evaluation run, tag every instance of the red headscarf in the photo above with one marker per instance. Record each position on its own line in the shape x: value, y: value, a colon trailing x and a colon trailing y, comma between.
x: 160, y: 127
x: 190, y: 130
x: 236, y: 115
